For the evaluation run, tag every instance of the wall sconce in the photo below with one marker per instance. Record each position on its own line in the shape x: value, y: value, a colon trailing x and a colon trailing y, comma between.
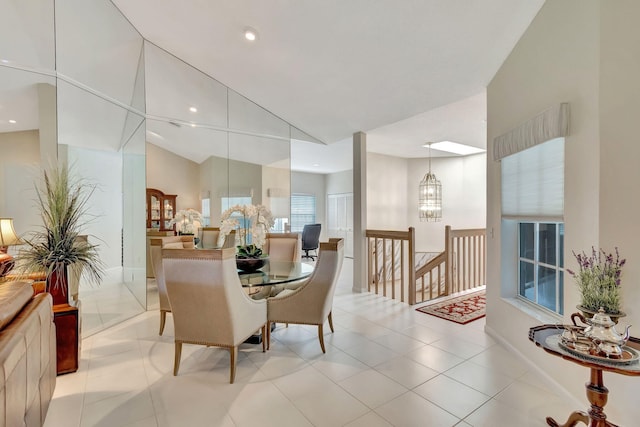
x: 430, y: 196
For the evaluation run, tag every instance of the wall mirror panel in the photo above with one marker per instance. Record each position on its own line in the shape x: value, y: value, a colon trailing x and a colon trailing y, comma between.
x: 98, y: 47
x: 26, y: 34
x: 98, y: 139
x: 27, y: 141
x: 175, y: 89
x: 100, y: 99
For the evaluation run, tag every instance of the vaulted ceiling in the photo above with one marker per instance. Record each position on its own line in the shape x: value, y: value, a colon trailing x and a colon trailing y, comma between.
x: 405, y: 72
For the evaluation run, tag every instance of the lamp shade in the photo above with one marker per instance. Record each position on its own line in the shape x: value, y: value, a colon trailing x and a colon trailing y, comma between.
x: 8, y: 235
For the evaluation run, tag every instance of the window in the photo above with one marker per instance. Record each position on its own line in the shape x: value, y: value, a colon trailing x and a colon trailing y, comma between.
x: 303, y: 211
x: 533, y: 201
x: 541, y: 264
x: 206, y: 212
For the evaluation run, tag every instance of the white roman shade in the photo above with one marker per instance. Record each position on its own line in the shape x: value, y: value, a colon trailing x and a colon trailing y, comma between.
x: 550, y: 124
x: 533, y: 182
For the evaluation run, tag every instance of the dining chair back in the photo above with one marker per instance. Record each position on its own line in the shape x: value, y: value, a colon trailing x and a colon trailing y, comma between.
x: 283, y: 246
x: 208, y: 304
x: 311, y: 303
x: 155, y: 247
x: 210, y: 238
x: 310, y: 239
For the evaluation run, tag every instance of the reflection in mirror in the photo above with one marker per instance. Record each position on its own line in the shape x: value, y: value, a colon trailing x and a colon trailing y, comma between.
x: 133, y: 227
x: 247, y: 116
x: 91, y: 134
x: 26, y: 33
x: 178, y: 91
x: 259, y: 169
x: 27, y: 141
x: 98, y: 47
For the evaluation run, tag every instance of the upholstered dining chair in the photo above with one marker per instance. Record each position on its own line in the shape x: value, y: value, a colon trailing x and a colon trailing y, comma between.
x: 208, y: 304
x: 311, y: 303
x: 283, y: 246
x: 209, y: 238
x: 155, y: 247
x: 279, y: 247
x: 310, y: 239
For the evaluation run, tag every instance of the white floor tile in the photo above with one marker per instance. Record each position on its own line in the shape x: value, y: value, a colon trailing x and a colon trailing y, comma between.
x: 451, y: 395
x: 372, y: 388
x: 406, y: 371
x: 385, y: 365
x: 435, y: 358
x: 482, y: 379
x: 411, y: 410
x: 370, y: 419
x: 331, y: 406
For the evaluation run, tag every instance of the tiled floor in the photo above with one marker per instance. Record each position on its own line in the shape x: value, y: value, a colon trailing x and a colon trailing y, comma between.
x: 386, y: 365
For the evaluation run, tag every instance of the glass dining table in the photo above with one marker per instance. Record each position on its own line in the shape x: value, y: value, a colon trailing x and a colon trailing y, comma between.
x: 276, y: 273
x: 258, y: 284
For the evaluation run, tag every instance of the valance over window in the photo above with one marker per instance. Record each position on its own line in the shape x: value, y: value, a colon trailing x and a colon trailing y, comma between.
x: 550, y: 124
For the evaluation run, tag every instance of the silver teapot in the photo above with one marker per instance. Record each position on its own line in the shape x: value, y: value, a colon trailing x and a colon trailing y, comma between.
x: 602, y: 332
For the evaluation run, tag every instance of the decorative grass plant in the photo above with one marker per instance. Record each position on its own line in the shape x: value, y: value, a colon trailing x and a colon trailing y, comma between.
x: 599, y: 280
x: 63, y: 209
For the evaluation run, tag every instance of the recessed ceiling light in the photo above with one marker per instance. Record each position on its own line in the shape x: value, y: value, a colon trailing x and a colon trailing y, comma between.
x: 250, y: 34
x: 316, y: 165
x: 193, y: 109
x: 455, y: 148
x: 12, y: 121
x: 4, y: 61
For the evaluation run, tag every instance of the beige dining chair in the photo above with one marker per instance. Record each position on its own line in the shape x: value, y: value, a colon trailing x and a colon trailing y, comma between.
x: 311, y: 303
x: 208, y: 304
x: 155, y: 247
x: 279, y: 247
x: 283, y: 246
x: 210, y: 236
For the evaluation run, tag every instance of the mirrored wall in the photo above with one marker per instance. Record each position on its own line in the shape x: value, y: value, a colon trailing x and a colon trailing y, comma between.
x: 84, y: 88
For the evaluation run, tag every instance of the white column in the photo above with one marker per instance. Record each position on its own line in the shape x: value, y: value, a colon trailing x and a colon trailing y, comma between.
x: 359, y: 211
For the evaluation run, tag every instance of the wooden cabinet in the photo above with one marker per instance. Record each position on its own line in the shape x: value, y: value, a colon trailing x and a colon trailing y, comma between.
x: 160, y: 210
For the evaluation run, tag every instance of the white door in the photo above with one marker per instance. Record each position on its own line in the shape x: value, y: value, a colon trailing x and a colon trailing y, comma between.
x: 340, y: 219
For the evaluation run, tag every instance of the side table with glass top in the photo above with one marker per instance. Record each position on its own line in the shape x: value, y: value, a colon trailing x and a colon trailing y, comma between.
x: 546, y: 337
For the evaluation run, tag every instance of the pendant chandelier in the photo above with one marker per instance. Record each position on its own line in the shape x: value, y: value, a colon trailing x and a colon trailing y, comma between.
x: 430, y: 196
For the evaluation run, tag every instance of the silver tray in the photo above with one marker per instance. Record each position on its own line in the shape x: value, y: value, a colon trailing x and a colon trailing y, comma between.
x: 629, y: 355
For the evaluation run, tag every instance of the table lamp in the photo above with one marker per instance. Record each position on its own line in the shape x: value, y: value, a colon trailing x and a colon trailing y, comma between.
x: 8, y: 238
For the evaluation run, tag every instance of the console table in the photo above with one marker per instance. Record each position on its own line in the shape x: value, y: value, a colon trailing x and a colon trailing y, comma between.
x: 596, y: 391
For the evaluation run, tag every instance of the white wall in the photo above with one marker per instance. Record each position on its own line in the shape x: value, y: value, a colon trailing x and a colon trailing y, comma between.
x: 19, y: 169
x: 584, y: 53
x: 104, y: 170
x: 464, y: 189
x: 392, y: 195
x: 387, y: 192
x: 173, y: 174
x: 340, y: 182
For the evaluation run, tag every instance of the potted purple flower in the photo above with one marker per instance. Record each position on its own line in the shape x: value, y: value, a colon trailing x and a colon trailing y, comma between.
x: 598, y: 279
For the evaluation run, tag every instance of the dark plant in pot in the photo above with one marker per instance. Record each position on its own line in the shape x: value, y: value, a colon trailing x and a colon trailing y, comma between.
x: 62, y: 202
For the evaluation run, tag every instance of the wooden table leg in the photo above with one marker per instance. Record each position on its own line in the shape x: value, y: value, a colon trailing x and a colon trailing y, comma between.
x: 597, y: 396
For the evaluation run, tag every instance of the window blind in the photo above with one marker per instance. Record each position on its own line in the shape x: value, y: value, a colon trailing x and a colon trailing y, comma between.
x: 303, y: 211
x: 533, y: 182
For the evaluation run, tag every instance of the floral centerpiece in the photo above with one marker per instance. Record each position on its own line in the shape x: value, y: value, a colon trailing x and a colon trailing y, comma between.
x: 187, y: 220
x: 252, y: 223
x: 598, y: 279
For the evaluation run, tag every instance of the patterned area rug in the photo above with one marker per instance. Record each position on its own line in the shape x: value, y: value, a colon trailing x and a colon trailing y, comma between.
x: 462, y: 309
